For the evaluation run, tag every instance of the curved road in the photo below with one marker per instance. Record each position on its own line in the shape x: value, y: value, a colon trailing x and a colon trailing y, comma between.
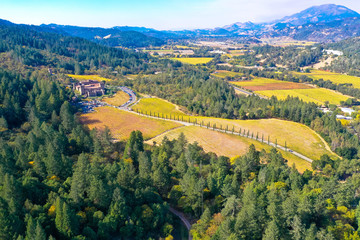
x: 246, y: 92
x: 132, y: 97
x: 183, y: 219
x: 230, y: 132
x: 180, y: 215
x: 133, y: 100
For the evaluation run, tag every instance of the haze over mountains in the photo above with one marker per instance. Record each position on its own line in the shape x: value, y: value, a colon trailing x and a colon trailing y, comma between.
x: 325, y: 23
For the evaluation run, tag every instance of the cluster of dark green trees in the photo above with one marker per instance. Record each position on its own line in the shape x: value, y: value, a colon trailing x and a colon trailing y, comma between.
x: 273, y: 201
x: 60, y: 180
x: 295, y: 57
x: 348, y: 63
x: 292, y: 57
x: 286, y: 75
x: 200, y: 94
x: 31, y: 46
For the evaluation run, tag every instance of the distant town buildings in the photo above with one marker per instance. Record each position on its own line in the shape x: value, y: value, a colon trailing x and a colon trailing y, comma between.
x: 334, y: 52
x: 343, y: 117
x: 218, y: 52
x: 347, y: 110
x: 90, y: 88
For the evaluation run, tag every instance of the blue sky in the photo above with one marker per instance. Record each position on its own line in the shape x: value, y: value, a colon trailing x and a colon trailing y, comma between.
x: 158, y: 14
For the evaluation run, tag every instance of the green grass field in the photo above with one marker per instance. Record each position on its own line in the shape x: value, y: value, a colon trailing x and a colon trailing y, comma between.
x: 157, y: 105
x: 316, y: 95
x: 256, y: 82
x: 225, y: 144
x: 184, y: 47
x: 224, y: 74
x: 193, y: 60
x: 118, y: 99
x: 333, y: 77
x: 237, y: 52
x: 89, y: 77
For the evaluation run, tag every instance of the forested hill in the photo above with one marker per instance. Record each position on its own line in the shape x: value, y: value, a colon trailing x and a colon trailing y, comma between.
x: 28, y: 45
x: 350, y: 61
x: 107, y: 36
x: 58, y: 180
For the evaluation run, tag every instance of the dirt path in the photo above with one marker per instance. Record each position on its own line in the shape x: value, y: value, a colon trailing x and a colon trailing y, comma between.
x: 327, y: 147
x: 148, y: 141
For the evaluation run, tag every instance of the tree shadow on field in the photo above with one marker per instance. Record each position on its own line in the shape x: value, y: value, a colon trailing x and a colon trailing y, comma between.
x: 89, y: 121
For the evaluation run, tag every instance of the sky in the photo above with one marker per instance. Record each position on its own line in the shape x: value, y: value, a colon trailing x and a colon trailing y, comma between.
x: 158, y: 14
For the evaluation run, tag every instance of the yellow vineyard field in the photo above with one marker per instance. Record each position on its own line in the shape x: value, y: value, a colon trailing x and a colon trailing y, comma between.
x: 224, y: 74
x: 225, y: 144
x: 298, y: 137
x: 333, y: 77
x: 118, y: 99
x: 256, y: 82
x: 122, y: 123
x: 316, y: 95
x: 193, y: 60
x: 89, y: 77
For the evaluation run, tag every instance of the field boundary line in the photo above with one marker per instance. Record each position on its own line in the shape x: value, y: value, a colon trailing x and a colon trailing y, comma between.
x: 169, y: 130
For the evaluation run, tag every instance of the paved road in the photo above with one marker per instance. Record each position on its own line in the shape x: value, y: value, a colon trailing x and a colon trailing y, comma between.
x: 172, y: 210
x: 230, y: 132
x: 241, y: 90
x: 246, y: 92
x: 183, y: 219
x: 134, y: 100
x: 132, y: 97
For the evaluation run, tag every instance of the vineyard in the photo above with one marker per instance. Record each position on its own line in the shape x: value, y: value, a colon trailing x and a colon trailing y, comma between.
x: 225, y: 144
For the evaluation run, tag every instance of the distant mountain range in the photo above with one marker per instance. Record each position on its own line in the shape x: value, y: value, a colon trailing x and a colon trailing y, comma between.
x: 116, y: 36
x: 325, y: 23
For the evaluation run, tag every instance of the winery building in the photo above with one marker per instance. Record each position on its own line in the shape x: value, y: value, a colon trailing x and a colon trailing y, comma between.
x: 90, y: 88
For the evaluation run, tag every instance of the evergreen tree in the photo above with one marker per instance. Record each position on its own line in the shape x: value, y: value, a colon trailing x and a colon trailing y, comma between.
x: 181, y: 165
x: 68, y: 225
x: 3, y: 124
x: 59, y: 215
x: 272, y: 231
x: 134, y: 145
x: 6, y: 231
x: 298, y: 229
x: 31, y: 229
x: 80, y: 180
x: 144, y: 166
x: 66, y: 116
x: 247, y: 221
x: 39, y: 232
x: 98, y: 193
x: 180, y: 144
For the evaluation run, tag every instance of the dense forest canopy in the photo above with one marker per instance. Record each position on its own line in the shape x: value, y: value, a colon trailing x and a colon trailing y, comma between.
x: 350, y: 61
x: 64, y: 181
x: 36, y: 48
x: 59, y: 180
